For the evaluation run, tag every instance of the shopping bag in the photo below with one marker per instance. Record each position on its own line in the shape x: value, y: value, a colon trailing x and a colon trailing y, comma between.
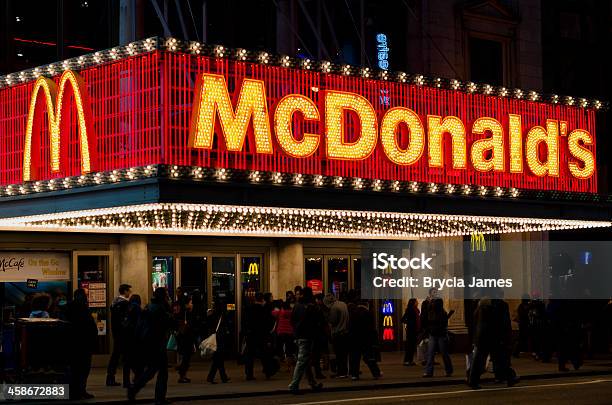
x: 469, y: 360
x: 209, y: 345
x: 422, y: 350
x: 171, y: 345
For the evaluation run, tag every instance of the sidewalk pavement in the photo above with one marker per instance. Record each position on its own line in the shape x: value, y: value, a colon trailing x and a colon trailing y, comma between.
x: 396, y: 375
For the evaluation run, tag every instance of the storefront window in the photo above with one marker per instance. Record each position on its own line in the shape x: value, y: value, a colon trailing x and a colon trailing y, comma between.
x: 337, y: 275
x: 313, y: 270
x: 162, y: 274
x: 92, y: 277
x: 250, y: 277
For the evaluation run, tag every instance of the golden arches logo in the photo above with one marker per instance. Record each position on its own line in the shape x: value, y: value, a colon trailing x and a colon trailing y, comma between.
x: 54, y: 99
x: 388, y: 320
x: 253, y: 269
x: 478, y: 242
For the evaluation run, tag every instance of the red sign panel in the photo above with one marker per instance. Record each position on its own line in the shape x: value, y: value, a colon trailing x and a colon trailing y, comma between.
x: 179, y: 109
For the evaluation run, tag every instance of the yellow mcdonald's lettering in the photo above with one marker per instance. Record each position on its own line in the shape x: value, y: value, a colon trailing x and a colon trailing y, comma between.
x: 54, y: 100
x: 495, y: 144
x: 549, y: 136
x: 336, y: 103
x: 282, y: 125
x: 212, y: 99
x: 392, y: 119
x: 388, y: 320
x: 436, y: 128
x: 581, y: 153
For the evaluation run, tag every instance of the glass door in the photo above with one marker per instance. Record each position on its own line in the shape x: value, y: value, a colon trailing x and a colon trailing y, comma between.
x: 92, y: 276
x: 223, y: 289
x: 337, y: 275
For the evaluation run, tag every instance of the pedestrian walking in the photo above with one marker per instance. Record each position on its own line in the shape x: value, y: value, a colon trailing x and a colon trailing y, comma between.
x: 284, y: 333
x: 83, y: 342
x: 338, y: 318
x: 492, y: 337
x: 307, y: 321
x: 522, y: 319
x: 119, y: 310
x: 412, y: 322
x: 133, y: 351
x: 363, y: 338
x: 153, y: 330
x: 185, y: 338
x: 258, y: 325
x: 218, y: 325
x: 567, y: 326
x: 436, y: 329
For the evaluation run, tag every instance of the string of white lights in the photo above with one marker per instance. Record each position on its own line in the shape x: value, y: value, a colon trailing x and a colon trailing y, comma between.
x: 262, y: 57
x: 207, y: 219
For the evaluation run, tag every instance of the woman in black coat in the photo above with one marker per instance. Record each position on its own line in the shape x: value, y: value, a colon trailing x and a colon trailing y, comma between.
x: 412, y: 321
x: 84, y: 335
x: 218, y: 325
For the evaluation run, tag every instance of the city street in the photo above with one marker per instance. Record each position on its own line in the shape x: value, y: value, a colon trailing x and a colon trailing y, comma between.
x: 586, y: 390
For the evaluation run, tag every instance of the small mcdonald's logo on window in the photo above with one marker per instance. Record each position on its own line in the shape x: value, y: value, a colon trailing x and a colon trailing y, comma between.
x: 388, y: 334
x: 478, y: 242
x: 253, y: 269
x: 387, y: 307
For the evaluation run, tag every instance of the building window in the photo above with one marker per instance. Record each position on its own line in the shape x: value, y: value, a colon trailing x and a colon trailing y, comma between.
x: 486, y: 61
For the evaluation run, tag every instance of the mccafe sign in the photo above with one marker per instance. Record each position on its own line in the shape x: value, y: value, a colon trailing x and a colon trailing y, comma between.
x: 179, y: 109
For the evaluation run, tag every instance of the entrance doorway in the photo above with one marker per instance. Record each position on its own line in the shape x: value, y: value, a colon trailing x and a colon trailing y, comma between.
x: 230, y: 280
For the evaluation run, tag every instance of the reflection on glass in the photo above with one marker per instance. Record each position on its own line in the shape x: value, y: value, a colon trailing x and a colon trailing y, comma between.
x: 250, y: 277
x: 313, y: 270
x: 337, y: 275
x: 224, y: 279
x: 162, y: 274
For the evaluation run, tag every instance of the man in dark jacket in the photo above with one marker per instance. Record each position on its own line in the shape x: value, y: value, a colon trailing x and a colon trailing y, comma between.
x: 257, y: 328
x: 363, y: 339
x: 119, y: 310
x: 493, y: 335
x: 84, y: 335
x: 307, y: 321
x: 156, y: 323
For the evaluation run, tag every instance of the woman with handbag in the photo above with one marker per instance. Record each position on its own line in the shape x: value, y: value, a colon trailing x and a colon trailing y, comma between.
x: 216, y: 317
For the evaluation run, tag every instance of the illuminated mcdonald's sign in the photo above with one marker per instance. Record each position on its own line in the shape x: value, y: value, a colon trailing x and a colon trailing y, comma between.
x: 55, y: 96
x: 478, y: 242
x: 388, y: 321
x: 252, y: 116
x: 253, y: 269
x: 387, y: 307
x: 388, y: 334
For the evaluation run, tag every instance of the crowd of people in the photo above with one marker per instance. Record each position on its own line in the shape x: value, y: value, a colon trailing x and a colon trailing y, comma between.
x: 296, y: 331
x: 301, y: 331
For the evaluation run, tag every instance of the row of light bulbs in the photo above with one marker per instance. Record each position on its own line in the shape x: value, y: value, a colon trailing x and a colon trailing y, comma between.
x: 274, y: 221
x: 241, y: 54
x: 278, y: 178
